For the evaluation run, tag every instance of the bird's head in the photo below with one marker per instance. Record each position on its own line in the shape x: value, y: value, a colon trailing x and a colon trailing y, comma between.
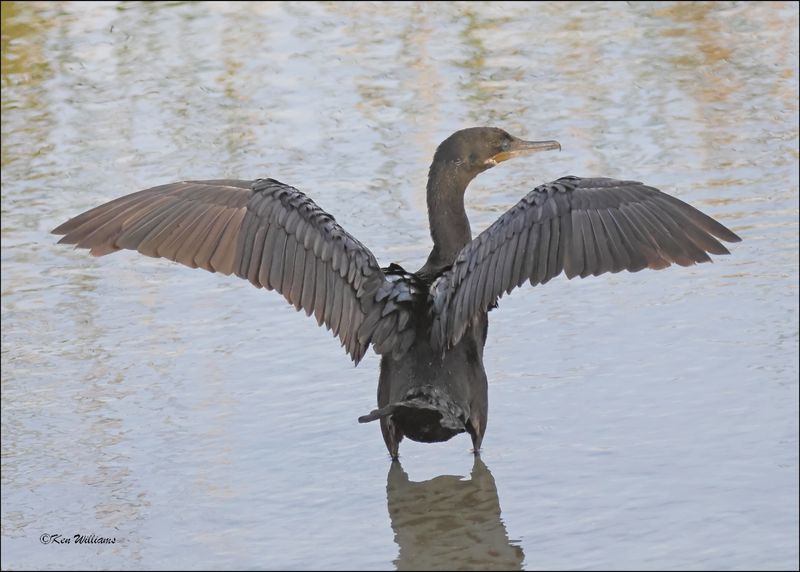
x: 474, y: 150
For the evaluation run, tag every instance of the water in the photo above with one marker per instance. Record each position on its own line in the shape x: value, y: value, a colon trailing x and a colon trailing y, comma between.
x: 642, y: 420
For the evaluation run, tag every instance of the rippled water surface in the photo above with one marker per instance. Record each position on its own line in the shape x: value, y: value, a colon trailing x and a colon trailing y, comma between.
x: 643, y: 420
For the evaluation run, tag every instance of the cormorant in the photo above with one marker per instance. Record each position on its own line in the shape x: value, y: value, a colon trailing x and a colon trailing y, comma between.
x: 429, y: 326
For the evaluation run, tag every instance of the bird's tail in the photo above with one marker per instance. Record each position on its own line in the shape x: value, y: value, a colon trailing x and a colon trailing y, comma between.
x: 426, y: 414
x: 415, y: 403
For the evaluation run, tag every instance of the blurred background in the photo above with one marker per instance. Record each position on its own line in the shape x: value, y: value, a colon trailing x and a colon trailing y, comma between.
x: 637, y: 421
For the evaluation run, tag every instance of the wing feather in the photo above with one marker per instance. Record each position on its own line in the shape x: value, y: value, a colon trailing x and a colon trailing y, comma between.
x: 263, y: 231
x: 579, y: 227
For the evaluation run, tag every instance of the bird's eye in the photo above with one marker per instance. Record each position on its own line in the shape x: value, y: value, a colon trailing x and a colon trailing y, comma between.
x: 505, y: 144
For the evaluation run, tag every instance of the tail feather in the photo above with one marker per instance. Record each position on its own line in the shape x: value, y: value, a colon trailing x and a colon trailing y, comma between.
x: 378, y: 413
x: 415, y: 403
x: 424, y: 399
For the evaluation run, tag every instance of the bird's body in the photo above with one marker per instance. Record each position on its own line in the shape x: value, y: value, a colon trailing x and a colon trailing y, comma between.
x: 430, y: 397
x: 429, y: 326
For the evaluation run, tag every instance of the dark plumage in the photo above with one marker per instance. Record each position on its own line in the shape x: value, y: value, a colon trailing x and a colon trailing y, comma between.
x: 429, y: 326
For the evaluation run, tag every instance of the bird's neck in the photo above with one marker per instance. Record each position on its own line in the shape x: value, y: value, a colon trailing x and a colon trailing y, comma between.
x: 446, y: 214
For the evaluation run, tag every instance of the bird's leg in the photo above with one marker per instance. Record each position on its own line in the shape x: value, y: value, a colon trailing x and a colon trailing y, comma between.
x: 391, y: 436
x: 476, y: 430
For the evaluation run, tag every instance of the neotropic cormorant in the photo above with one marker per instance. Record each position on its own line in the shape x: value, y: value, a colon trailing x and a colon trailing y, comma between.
x: 429, y: 326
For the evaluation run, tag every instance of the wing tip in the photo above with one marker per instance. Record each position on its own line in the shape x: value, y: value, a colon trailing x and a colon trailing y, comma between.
x: 730, y: 236
x: 719, y: 230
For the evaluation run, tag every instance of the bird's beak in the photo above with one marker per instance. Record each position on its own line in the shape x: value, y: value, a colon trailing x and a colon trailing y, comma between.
x: 518, y: 148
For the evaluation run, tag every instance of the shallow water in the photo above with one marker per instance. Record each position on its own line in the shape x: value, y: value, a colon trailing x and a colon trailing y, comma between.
x: 643, y: 420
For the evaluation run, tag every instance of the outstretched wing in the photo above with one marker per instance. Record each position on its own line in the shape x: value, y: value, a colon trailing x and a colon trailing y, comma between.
x: 266, y: 232
x: 578, y: 226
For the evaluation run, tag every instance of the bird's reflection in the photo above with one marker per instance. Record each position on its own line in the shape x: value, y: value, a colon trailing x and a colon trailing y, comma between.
x: 448, y: 523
